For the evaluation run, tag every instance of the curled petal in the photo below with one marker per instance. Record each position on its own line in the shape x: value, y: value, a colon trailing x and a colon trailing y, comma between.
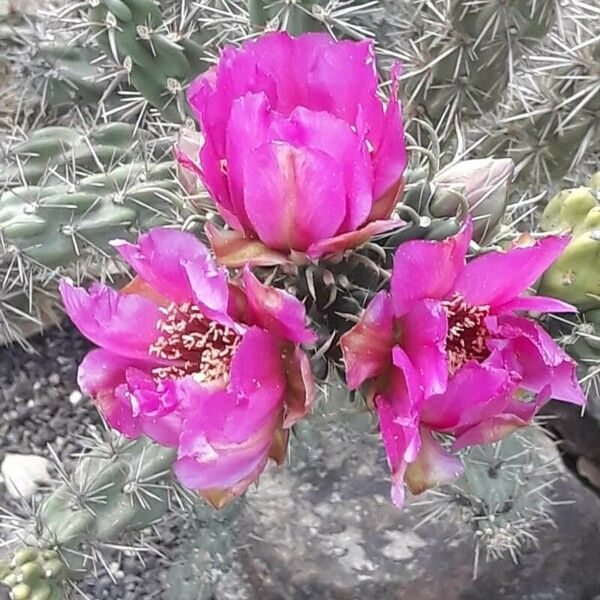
x: 102, y: 370
x: 351, y: 239
x: 147, y: 398
x: 210, y: 290
x: 235, y: 249
x: 124, y: 392
x: 389, y: 157
x: 433, y: 466
x: 475, y: 392
x: 497, y: 278
x: 100, y: 374
x: 529, y: 350
x: 179, y: 266
x: 427, y: 269
x: 424, y: 331
x: 397, y: 407
x: 224, y: 473
x: 537, y: 304
x: 125, y: 324
x: 277, y: 311
x: 489, y: 431
x: 116, y: 408
x: 158, y: 258
x: 284, y: 192
x: 367, y: 347
x: 300, y: 388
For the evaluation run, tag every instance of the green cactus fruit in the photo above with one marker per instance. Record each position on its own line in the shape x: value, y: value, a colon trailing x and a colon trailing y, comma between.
x: 34, y: 574
x: 49, y: 151
x: 136, y: 35
x: 574, y: 277
x: 54, y: 225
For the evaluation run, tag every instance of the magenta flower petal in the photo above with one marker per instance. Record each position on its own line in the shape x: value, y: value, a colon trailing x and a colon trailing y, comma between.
x: 321, y: 60
x: 224, y: 468
x: 224, y: 417
x: 489, y: 431
x: 367, y: 347
x: 433, y: 466
x: 539, y: 360
x: 116, y: 408
x: 147, y: 398
x: 163, y: 430
x: 396, y: 437
x: 284, y: 192
x: 334, y: 137
x: 102, y: 370
x: 277, y: 311
x: 259, y: 384
x: 499, y: 277
x: 537, y: 304
x: 158, y: 259
x: 475, y: 392
x: 246, y: 130
x: 425, y: 269
x: 424, y: 331
x: 389, y: 157
x: 397, y: 407
x: 210, y: 290
x: 125, y: 324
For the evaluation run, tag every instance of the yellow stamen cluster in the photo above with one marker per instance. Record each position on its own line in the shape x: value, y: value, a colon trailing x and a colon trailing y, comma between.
x: 196, y: 345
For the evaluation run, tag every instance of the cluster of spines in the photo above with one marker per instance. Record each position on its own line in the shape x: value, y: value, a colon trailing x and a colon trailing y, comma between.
x: 504, y: 497
x: 549, y: 124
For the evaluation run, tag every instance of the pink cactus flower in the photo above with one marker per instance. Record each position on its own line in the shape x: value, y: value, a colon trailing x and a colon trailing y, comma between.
x: 299, y: 153
x: 196, y: 363
x: 450, y: 350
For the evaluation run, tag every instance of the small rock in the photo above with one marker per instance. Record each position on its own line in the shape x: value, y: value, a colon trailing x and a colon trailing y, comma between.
x: 75, y: 397
x: 23, y: 473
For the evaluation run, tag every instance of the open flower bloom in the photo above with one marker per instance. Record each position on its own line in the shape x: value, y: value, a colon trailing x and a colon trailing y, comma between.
x: 449, y: 350
x: 210, y: 368
x: 299, y: 152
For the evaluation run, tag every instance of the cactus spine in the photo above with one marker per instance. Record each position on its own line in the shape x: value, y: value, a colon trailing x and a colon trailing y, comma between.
x: 463, y: 55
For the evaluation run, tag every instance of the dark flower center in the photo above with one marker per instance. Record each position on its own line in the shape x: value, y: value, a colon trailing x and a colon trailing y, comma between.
x: 197, y: 345
x: 467, y: 332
